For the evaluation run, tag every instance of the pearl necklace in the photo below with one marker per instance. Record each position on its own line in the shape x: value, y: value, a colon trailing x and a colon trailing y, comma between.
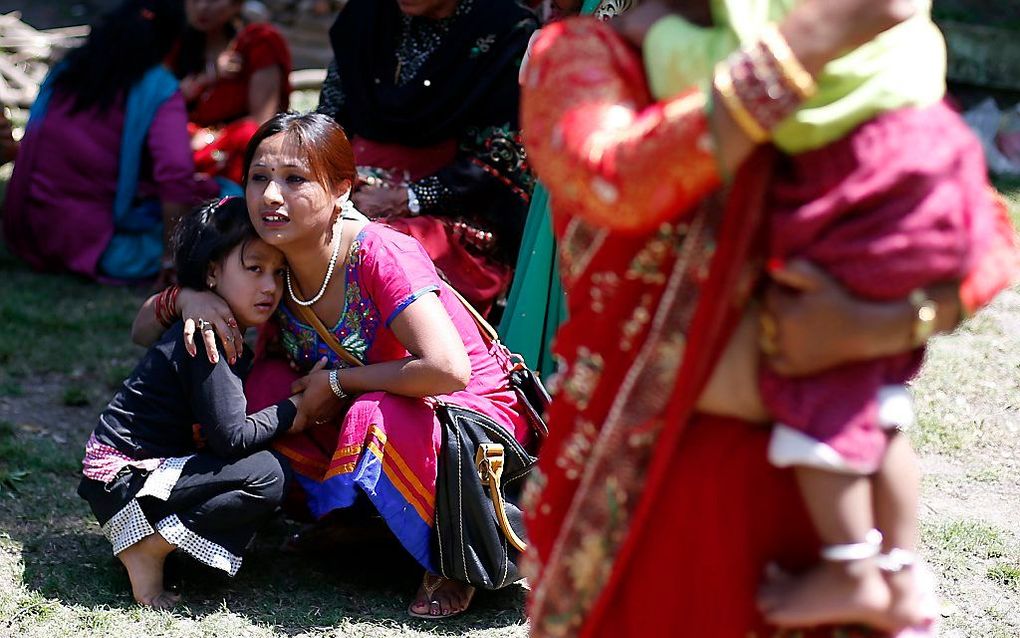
x: 329, y: 271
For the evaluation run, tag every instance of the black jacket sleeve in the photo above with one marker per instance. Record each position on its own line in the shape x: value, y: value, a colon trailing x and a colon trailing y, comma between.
x: 489, y: 180
x: 218, y: 403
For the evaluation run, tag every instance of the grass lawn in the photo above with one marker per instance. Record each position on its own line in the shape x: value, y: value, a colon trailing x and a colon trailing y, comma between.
x: 64, y: 348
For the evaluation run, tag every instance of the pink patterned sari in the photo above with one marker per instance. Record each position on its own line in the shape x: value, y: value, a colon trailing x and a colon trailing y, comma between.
x: 385, y: 446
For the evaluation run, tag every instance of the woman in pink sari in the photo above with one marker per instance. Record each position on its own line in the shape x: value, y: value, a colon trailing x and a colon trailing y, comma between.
x: 408, y: 342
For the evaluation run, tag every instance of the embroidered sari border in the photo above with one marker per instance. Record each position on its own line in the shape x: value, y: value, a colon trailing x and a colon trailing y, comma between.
x: 413, y: 297
x: 394, y: 466
x: 404, y: 518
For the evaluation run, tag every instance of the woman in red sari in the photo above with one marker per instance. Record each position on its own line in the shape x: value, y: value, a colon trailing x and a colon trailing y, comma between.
x: 650, y: 517
x: 234, y: 77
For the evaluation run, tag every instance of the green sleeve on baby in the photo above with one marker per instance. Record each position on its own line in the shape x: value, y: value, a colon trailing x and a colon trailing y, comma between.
x: 903, y: 67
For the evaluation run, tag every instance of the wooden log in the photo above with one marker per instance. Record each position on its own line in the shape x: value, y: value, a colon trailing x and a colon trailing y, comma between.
x: 307, y: 79
x: 75, y: 32
x: 7, y: 94
x: 16, y: 76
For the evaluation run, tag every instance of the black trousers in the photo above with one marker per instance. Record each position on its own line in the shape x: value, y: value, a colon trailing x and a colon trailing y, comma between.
x: 216, y: 504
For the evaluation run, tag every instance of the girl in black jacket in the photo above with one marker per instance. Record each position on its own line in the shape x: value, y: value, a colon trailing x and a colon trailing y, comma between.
x: 174, y: 462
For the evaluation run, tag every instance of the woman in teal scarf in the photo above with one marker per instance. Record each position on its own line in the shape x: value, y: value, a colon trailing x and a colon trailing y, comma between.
x: 536, y: 307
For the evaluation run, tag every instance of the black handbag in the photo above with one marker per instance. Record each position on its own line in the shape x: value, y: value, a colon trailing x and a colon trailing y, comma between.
x: 479, y: 526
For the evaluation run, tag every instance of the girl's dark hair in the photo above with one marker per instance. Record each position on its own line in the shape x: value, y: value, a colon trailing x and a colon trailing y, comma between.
x: 122, y: 46
x: 206, y: 235
x: 190, y: 57
x: 321, y: 139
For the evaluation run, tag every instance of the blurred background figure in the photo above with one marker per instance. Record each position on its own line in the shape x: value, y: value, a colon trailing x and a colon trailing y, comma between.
x: 104, y: 168
x: 233, y: 68
x: 427, y: 91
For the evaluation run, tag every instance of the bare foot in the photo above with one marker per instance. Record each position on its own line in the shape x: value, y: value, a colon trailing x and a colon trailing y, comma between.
x: 828, y: 594
x: 907, y: 606
x: 144, y: 562
x: 441, y: 597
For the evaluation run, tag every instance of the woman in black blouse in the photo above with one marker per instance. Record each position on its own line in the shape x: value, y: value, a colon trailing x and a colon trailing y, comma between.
x: 427, y: 91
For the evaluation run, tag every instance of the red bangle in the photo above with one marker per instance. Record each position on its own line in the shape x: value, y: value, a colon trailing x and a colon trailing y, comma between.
x: 172, y: 309
x: 157, y: 307
x: 165, y: 306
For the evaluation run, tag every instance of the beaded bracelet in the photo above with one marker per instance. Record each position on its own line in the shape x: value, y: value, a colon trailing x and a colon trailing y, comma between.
x: 793, y: 71
x: 759, y: 84
x: 723, y: 83
x: 762, y: 84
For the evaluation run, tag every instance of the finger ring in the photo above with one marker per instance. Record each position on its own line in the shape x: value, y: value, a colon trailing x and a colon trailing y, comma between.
x: 231, y: 322
x: 321, y: 421
x: 230, y: 338
x: 204, y: 325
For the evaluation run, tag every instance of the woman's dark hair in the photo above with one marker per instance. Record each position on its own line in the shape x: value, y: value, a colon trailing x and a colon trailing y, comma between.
x: 206, y: 235
x: 329, y: 152
x: 190, y: 57
x: 122, y: 46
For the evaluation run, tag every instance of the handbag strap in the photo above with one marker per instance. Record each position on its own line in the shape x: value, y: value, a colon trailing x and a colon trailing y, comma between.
x: 308, y: 316
x: 484, y: 327
x: 489, y: 460
x: 313, y: 320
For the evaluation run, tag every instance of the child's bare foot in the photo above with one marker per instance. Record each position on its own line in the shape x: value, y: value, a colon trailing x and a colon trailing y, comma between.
x: 906, y: 608
x: 832, y: 592
x: 440, y: 597
x: 144, y: 562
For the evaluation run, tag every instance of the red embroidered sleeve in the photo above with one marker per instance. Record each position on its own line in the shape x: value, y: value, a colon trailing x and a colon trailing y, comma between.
x: 606, y: 152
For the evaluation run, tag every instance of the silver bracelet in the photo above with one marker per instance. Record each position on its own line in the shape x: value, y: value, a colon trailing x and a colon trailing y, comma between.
x: 413, y: 205
x: 896, y: 560
x: 869, y: 548
x: 334, y: 385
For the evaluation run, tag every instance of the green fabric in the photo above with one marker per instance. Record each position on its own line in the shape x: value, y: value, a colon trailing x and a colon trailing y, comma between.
x: 536, y: 307
x: 905, y: 66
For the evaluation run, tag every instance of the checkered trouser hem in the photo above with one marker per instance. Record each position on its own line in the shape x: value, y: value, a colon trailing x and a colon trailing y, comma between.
x: 201, y: 549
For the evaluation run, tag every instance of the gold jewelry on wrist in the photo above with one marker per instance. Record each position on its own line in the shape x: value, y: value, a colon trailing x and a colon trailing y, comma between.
x: 793, y: 71
x: 925, y: 313
x: 723, y: 83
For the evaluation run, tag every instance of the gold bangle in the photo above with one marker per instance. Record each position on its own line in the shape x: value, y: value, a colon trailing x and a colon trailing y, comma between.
x: 793, y: 70
x: 925, y: 313
x: 723, y: 83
